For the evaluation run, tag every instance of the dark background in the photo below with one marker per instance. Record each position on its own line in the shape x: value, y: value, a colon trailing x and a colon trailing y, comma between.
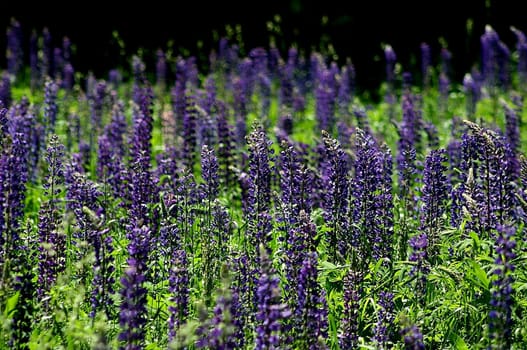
x: 356, y: 29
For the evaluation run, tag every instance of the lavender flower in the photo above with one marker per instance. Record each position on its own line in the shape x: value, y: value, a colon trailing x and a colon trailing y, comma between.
x: 271, y: 311
x: 179, y: 95
x: 500, y: 316
x: 179, y: 289
x: 472, y: 91
x: 225, y: 146
x: 52, y: 240
x: 68, y: 77
x: 14, y: 53
x: 413, y: 338
x: 223, y: 330
x: 432, y: 135
x: 3, y: 126
x: 138, y: 68
x: 385, y: 318
x: 295, y: 181
x: 209, y: 172
x: 419, y: 245
x: 495, y: 175
x: 33, y: 60
x: 409, y: 142
x: 504, y: 56
x: 22, y: 320
x: 46, y: 63
x: 336, y: 200
x: 407, y: 82
x: 346, y: 87
x: 191, y: 69
x: 391, y: 58
x: 325, y: 93
x: 300, y: 243
x: 245, y: 278
x: 240, y: 106
x: 349, y: 332
x: 66, y: 50
x: 512, y: 127
x: 287, y: 80
x: 444, y: 88
x: 51, y: 108
x: 82, y: 199
x: 97, y: 105
x: 411, y: 124
x: 425, y: 64
x: 434, y: 194
x: 521, y: 48
x: 362, y: 119
x: 446, y: 57
x: 110, y: 168
x: 259, y: 192
x: 58, y: 64
x: 371, y: 222
x: 143, y: 190
x: 13, y: 178
x: 210, y: 102
x: 115, y: 78
x: 310, y: 321
x: 489, y: 42
x: 132, y: 317
x: 5, y: 89
x: 189, y: 134
x: 104, y: 267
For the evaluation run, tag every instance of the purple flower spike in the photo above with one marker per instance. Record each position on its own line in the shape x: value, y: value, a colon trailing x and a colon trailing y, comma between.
x: 501, y: 302
x: 271, y: 311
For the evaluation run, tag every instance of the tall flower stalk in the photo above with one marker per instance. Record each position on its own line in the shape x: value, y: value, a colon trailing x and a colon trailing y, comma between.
x: 52, y: 240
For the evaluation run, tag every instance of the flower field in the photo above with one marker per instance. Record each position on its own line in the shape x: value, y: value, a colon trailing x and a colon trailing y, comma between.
x: 263, y: 201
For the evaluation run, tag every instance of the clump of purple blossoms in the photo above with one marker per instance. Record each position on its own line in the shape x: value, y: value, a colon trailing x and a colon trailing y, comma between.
x: 52, y: 241
x: 51, y: 108
x: 391, y: 59
x: 5, y: 89
x: 223, y: 330
x: 372, y: 205
x: 413, y: 338
x: 14, y: 53
x: 295, y: 182
x: 310, y: 317
x: 425, y: 64
x: 258, y: 199
x: 500, y: 316
x: 434, y: 194
x: 349, y: 332
x: 419, y: 255
x: 133, y: 311
x: 271, y: 311
x: 13, y: 177
x: 179, y: 288
x: 385, y: 318
x: 335, y: 178
x: 521, y: 48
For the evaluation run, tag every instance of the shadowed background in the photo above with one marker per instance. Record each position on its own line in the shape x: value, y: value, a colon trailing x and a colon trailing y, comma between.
x: 355, y: 29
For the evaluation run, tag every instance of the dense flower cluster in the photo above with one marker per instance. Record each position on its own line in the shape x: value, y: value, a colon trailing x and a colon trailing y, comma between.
x: 500, y: 316
x: 174, y: 225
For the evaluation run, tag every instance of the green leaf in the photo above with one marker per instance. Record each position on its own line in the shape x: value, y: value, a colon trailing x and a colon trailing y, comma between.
x: 10, y: 304
x: 480, y: 275
x: 326, y: 265
x: 458, y: 342
x: 475, y: 237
